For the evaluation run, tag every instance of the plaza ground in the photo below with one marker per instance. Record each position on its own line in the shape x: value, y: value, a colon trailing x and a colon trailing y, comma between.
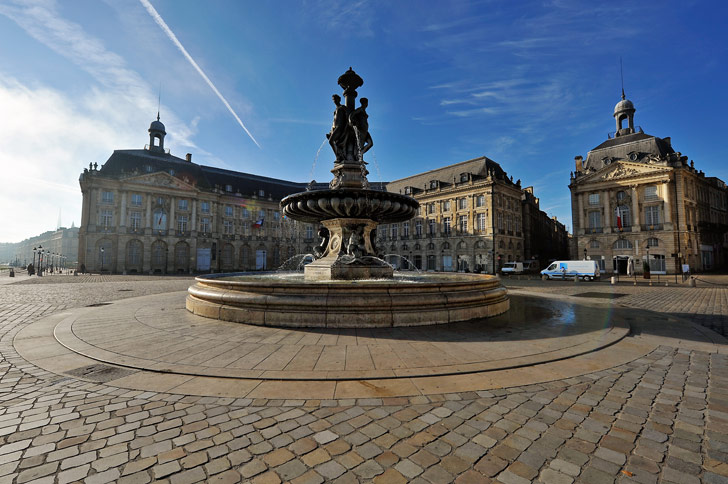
x: 660, y: 416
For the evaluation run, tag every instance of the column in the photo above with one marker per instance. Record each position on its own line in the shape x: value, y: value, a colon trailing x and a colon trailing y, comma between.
x: 193, y: 219
x: 171, y: 226
x: 121, y: 245
x: 607, y: 212
x: 635, y: 209
x: 580, y: 200
x: 667, y: 207
x: 122, y: 211
x: 148, y: 218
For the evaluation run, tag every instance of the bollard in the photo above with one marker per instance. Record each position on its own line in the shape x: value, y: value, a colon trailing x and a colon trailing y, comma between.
x: 692, y: 282
x: 614, y: 280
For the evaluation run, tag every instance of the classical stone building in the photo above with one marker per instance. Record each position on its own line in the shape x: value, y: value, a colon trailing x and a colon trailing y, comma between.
x: 635, y: 200
x: 147, y: 211
x: 471, y: 215
x: 60, y: 248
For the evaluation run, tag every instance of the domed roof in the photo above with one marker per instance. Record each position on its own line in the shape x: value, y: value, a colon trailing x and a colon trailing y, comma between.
x: 157, y: 125
x: 623, y: 105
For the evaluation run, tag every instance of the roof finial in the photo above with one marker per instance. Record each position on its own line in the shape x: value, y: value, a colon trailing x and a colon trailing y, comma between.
x: 621, y: 75
x: 159, y: 99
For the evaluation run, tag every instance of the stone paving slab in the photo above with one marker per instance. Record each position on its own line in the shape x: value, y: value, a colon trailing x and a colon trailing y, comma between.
x: 158, y: 333
x: 662, y: 417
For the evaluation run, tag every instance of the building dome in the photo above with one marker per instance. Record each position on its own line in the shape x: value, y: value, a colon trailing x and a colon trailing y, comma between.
x: 623, y: 105
x: 157, y: 125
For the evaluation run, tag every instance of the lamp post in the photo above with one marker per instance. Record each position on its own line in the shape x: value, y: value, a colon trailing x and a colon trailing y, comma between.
x: 102, y: 259
x: 649, y: 276
x: 35, y: 266
x: 40, y: 261
x: 584, y: 253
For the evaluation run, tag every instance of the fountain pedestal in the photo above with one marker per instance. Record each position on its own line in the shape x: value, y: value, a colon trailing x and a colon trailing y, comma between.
x: 349, y: 254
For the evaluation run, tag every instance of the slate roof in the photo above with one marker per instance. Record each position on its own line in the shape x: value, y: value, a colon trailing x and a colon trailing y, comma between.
x: 620, y: 147
x: 450, y: 175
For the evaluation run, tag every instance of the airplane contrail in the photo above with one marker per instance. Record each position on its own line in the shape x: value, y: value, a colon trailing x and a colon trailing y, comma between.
x: 158, y: 18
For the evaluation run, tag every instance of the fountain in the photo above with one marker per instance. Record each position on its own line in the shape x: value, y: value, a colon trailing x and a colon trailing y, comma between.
x: 348, y: 284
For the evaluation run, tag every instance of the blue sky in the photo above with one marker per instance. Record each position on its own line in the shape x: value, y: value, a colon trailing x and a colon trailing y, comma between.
x: 528, y: 84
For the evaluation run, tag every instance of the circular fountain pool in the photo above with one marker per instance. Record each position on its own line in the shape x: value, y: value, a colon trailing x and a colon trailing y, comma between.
x: 285, y: 299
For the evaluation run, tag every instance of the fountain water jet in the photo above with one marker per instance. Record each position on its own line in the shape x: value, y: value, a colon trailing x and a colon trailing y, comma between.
x: 348, y: 284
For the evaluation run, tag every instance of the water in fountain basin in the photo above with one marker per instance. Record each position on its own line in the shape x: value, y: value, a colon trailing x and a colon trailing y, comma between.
x: 410, y: 265
x: 296, y: 262
x: 313, y: 167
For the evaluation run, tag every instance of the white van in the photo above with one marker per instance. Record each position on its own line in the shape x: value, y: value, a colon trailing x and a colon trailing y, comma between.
x: 512, y: 268
x: 570, y: 269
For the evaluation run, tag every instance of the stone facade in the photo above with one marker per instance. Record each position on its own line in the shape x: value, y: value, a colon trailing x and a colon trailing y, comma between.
x: 147, y: 211
x: 61, y: 243
x: 471, y: 214
x: 634, y: 197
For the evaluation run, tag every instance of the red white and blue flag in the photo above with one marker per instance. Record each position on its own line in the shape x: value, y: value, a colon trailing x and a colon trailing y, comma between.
x: 619, y: 218
x: 258, y: 224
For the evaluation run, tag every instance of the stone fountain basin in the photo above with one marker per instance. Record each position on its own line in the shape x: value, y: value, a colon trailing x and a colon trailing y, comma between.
x: 284, y: 299
x: 317, y: 205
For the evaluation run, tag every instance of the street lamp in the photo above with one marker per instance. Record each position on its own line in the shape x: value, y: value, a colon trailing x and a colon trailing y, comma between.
x: 102, y: 259
x: 35, y: 266
x: 40, y: 260
x: 584, y: 253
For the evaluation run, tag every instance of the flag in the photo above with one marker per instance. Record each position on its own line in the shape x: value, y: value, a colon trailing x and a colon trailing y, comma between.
x: 619, y: 218
x: 258, y: 224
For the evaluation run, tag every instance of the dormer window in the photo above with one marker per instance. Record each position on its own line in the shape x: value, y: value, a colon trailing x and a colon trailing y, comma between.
x: 408, y: 190
x: 464, y: 177
x: 148, y: 168
x: 261, y: 193
x: 433, y: 184
x: 228, y: 188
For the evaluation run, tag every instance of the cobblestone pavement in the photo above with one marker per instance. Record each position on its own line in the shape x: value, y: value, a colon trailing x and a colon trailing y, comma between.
x: 661, y: 418
x: 706, y: 304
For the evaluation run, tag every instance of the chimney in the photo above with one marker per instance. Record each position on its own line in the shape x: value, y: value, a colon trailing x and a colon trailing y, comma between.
x: 578, y: 160
x: 667, y: 140
x: 188, y: 157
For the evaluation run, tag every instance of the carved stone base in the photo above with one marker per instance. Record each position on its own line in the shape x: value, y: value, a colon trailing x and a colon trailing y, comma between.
x: 349, y: 174
x: 350, y: 253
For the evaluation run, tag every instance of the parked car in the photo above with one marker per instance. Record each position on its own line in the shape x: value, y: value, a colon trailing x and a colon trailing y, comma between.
x: 570, y: 269
x: 510, y: 268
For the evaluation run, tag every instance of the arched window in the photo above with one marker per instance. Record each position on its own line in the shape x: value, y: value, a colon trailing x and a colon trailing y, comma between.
x: 480, y: 244
x: 501, y: 245
x: 653, y: 242
x: 622, y: 244
x: 594, y: 244
x: 518, y: 246
x: 446, y: 246
x: 430, y: 246
x: 462, y: 245
x: 510, y: 245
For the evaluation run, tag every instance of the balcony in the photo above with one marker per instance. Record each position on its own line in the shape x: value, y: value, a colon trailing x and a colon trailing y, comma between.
x: 228, y: 236
x: 132, y: 230
x: 625, y: 228
x: 182, y: 233
x: 650, y: 228
x: 594, y: 230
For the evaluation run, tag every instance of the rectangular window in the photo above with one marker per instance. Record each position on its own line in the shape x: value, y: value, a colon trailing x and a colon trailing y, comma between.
x: 463, y: 223
x: 182, y: 223
x: 205, y: 225
x: 418, y: 228
x: 182, y: 204
x: 431, y: 208
x: 136, y: 199
x: 245, y: 213
x: 593, y: 199
x: 595, y: 219
x: 227, y: 227
x: 431, y: 227
x: 481, y: 222
x: 394, y: 228
x: 228, y: 211
x: 652, y: 215
x: 651, y: 193
x: 205, y: 207
x: 462, y: 203
x: 446, y: 206
x: 276, y: 215
x: 518, y: 225
x: 480, y: 201
x: 509, y: 223
x: 405, y: 229
x: 107, y: 197
x: 446, y: 225
x: 309, y: 231
x: 499, y: 218
x: 107, y: 218
x: 246, y: 228
x: 136, y: 220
